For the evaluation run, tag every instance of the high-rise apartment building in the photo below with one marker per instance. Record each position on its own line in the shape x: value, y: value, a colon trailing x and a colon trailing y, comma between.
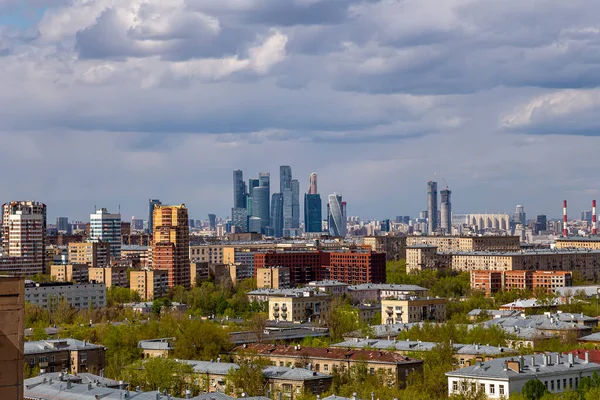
x: 277, y: 214
x: 446, y: 212
x: 336, y: 210
x: 171, y: 242
x: 106, y: 227
x: 432, y: 207
x: 519, y: 216
x: 151, y: 204
x: 24, y: 235
x: 313, y: 214
x: 93, y: 254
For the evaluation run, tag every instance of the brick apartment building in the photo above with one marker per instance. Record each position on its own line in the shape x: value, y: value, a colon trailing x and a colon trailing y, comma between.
x: 70, y: 355
x: 352, y: 267
x: 494, y: 281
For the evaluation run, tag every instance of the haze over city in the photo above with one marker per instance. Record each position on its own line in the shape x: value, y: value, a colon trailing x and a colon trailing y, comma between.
x: 110, y: 103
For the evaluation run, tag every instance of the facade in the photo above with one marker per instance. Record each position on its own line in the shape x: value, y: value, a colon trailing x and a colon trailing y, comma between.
x: 467, y: 243
x: 432, y: 208
x: 70, y: 273
x: 239, y: 219
x: 295, y: 206
x: 80, y: 296
x: 62, y: 225
x: 70, y: 355
x: 578, y: 242
x: 261, y: 207
x: 495, y: 281
x: 490, y: 221
x: 156, y: 347
x: 151, y: 204
x: 520, y: 217
x: 313, y: 216
x: 12, y: 316
x: 336, y: 211
x: 93, y: 254
x: 171, y: 243
x: 446, y: 212
x: 277, y: 215
x: 299, y: 307
x: 198, y: 272
x: 370, y: 292
x: 273, y: 278
x: 24, y: 236
x: 106, y: 227
x: 239, y: 189
x: 149, y: 284
x: 395, y: 367
x: 406, y: 309
x: 394, y: 247
x: 110, y: 276
x: 501, y: 377
x: 422, y: 257
x: 334, y: 288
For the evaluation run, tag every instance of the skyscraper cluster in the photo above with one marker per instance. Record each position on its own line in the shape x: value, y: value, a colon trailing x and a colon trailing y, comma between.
x: 439, y: 222
x: 255, y: 209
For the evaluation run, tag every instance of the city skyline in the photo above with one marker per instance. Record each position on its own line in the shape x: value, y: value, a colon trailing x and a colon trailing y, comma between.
x: 374, y: 96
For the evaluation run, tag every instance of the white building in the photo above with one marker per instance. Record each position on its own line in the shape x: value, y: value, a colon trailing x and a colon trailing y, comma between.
x: 107, y: 228
x: 79, y: 296
x: 501, y: 377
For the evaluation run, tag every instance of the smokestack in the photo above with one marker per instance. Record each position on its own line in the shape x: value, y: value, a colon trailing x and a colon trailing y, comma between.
x: 594, y: 225
x: 565, y: 232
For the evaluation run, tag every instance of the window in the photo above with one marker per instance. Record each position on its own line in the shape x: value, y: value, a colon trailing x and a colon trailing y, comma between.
x: 454, y: 386
x: 576, y: 383
x: 570, y: 382
x: 558, y: 383
x: 326, y: 367
x: 501, y: 390
x: 482, y: 387
x: 551, y: 385
x: 372, y: 371
x: 492, y: 389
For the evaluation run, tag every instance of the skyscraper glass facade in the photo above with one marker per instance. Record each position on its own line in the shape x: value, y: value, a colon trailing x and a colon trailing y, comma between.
x: 337, y: 215
x: 312, y: 213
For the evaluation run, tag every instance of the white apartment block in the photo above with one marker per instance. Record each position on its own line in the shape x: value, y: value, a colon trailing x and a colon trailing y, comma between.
x: 79, y: 296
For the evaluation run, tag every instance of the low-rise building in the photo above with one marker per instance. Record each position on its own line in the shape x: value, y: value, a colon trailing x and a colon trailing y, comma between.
x: 334, y: 288
x: 66, y: 355
x: 467, y: 243
x: 80, y: 296
x: 405, y: 309
x: 294, y: 382
x: 198, y: 272
x: 501, y: 377
x: 149, y: 284
x: 300, y: 306
x: 495, y: 281
x: 156, y: 347
x: 548, y: 325
x: 394, y: 367
x: 78, y: 273
x: 110, y: 276
x: 375, y: 292
x: 146, y: 307
x: 578, y: 242
x: 273, y: 278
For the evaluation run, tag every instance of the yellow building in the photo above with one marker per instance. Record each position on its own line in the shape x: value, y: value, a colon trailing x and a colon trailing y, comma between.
x: 467, y: 243
x: 273, y: 278
x: 592, y: 243
x: 110, y: 276
x: 407, y: 309
x: 149, y: 284
x: 93, y: 254
x: 70, y: 273
x: 171, y: 243
x: 298, y: 306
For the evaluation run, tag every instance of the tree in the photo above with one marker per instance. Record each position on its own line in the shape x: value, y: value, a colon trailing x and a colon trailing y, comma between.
x: 160, y: 373
x: 200, y: 340
x: 249, y: 378
x: 534, y: 389
x: 257, y: 324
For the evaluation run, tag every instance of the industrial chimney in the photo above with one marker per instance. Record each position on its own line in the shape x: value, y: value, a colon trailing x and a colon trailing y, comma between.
x: 565, y: 232
x: 594, y: 224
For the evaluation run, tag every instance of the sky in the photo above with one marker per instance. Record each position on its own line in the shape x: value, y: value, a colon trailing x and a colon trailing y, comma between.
x: 108, y: 103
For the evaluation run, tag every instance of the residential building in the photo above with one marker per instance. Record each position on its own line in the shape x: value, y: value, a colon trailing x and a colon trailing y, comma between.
x: 578, y: 242
x: 147, y: 307
x: 394, y: 367
x: 562, y: 325
x: 149, y: 284
x: 239, y: 219
x: 74, y: 356
x: 24, y: 237
x: 447, y: 244
x: 156, y: 347
x: 299, y: 307
x: 12, y: 316
x: 336, y: 211
x: 80, y: 296
x: 139, y: 255
x: 151, y: 204
x: 78, y: 273
x: 372, y: 292
x: 106, y: 227
x: 110, y: 276
x: 406, y: 309
x: 495, y: 281
x: 273, y: 278
x: 423, y: 257
x: 199, y: 272
x: 394, y: 247
x: 499, y: 378
x: 171, y: 242
x: 93, y: 254
x: 334, y: 288
x: 292, y: 383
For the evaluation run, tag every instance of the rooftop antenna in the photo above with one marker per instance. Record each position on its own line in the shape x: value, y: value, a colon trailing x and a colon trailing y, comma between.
x: 445, y: 183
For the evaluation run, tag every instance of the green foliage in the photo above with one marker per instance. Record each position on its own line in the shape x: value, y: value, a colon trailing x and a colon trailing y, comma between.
x: 160, y: 374
x: 451, y: 332
x: 343, y: 318
x: 249, y: 378
x: 432, y: 381
x: 200, y: 340
x: 534, y: 389
x: 158, y: 304
x: 118, y: 295
x: 39, y: 278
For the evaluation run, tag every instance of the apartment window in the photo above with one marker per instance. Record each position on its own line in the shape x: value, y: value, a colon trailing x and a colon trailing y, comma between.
x: 83, y: 357
x: 326, y: 367
x: 501, y: 390
x: 564, y: 383
x: 492, y: 389
x: 43, y: 359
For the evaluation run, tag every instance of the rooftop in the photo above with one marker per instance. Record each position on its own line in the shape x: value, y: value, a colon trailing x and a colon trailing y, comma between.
x: 374, y: 356
x: 156, y: 344
x: 579, y: 239
x: 412, y: 345
x: 327, y: 283
x: 211, y: 367
x: 52, y: 345
x: 386, y: 286
x: 531, y: 303
x: 534, y: 366
x: 548, y: 321
x: 288, y: 373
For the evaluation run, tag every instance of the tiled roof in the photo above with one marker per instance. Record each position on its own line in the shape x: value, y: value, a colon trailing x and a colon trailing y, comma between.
x: 375, y: 356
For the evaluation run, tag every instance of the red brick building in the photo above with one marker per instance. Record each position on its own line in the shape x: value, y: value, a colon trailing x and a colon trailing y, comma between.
x: 352, y: 267
x: 494, y: 281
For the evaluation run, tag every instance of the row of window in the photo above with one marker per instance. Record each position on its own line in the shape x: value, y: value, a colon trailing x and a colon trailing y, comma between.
x: 482, y: 388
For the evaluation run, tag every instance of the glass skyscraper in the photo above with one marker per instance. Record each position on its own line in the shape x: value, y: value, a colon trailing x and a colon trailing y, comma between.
x: 277, y: 214
x: 432, y: 208
x: 239, y: 218
x: 260, y: 206
x: 337, y: 215
x: 239, y: 189
x: 151, y: 204
x: 106, y: 227
x: 312, y: 213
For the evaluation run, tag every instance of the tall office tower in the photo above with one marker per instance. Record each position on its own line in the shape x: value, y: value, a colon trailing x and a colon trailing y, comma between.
x: 212, y: 221
x: 295, y: 204
x: 285, y: 177
x: 586, y: 215
x: 277, y: 214
x: 24, y: 235
x: 261, y: 207
x: 252, y: 183
x: 519, y: 216
x: 336, y: 210
x: 541, y: 224
x: 385, y: 225
x: 432, y: 207
x: 264, y: 179
x: 192, y: 223
x: 151, y: 204
x: 106, y: 227
x: 239, y: 189
x: 62, y: 225
x: 171, y: 242
x: 446, y: 212
x: 254, y: 225
x: 312, y: 184
x: 239, y: 219
x: 137, y: 224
